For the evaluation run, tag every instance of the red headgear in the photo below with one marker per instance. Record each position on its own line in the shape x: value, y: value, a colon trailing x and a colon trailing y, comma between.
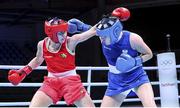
x: 51, y: 29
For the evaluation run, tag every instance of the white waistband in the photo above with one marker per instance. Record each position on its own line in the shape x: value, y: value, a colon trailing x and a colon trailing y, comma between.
x: 62, y: 74
x: 113, y: 69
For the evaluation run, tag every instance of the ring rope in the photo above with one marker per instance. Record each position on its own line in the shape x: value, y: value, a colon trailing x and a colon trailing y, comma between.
x: 89, y: 83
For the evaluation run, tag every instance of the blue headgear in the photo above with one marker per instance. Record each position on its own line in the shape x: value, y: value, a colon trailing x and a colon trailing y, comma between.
x: 109, y: 27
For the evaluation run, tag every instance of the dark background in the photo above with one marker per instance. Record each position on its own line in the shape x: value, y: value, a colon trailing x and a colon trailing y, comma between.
x: 21, y: 27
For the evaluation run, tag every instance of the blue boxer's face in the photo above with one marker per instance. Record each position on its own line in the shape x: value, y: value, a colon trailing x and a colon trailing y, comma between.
x: 106, y: 40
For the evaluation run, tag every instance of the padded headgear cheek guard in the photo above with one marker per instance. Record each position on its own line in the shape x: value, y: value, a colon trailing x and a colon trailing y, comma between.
x: 51, y: 30
x: 109, y: 27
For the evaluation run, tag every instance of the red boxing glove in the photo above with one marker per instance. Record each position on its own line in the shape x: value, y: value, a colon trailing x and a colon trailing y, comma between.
x: 122, y: 13
x: 16, y: 76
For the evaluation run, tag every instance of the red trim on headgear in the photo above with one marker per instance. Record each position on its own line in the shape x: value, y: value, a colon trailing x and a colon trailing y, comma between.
x: 52, y: 30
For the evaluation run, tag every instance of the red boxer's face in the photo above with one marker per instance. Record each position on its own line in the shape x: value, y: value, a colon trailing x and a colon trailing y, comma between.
x: 61, y: 36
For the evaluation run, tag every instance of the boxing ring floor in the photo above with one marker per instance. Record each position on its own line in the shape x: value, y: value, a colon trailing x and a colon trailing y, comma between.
x: 88, y: 84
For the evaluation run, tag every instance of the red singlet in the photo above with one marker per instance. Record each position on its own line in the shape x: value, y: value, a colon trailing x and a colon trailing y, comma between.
x: 58, y: 62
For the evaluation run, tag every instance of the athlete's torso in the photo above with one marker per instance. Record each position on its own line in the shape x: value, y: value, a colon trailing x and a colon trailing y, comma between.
x: 119, y: 81
x: 112, y: 52
x: 59, y: 62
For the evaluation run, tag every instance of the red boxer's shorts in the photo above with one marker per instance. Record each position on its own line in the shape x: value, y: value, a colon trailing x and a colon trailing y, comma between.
x: 70, y: 87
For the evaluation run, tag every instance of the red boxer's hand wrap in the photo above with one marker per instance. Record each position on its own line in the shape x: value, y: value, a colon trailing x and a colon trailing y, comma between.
x: 122, y: 13
x: 16, y: 76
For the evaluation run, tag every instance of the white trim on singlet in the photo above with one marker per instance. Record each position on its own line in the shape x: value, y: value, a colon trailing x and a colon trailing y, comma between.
x: 71, y: 52
x: 62, y: 74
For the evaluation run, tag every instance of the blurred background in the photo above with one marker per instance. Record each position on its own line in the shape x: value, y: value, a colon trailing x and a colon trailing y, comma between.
x: 22, y: 26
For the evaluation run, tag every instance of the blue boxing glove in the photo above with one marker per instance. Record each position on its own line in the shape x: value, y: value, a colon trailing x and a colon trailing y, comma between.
x: 76, y: 26
x: 125, y: 63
